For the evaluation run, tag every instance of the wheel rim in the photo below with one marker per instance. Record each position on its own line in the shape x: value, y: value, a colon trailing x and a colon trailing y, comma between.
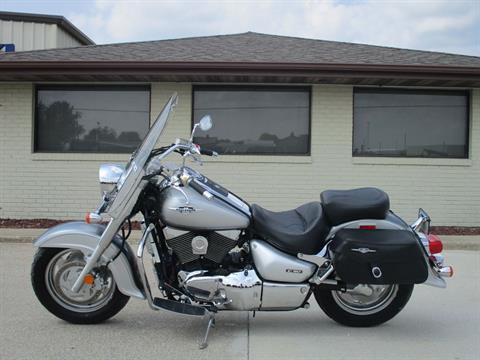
x: 365, y: 299
x: 60, y: 275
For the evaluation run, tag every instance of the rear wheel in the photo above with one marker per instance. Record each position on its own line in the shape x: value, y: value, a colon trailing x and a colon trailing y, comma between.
x: 364, y: 305
x: 54, y: 272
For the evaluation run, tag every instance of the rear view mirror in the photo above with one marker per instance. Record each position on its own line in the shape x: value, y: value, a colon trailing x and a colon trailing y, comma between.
x: 206, y: 123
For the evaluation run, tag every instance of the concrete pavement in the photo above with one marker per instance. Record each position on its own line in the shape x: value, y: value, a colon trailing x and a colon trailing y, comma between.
x: 436, y: 324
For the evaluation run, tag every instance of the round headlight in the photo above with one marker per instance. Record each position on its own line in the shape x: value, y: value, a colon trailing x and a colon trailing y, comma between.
x: 109, y: 175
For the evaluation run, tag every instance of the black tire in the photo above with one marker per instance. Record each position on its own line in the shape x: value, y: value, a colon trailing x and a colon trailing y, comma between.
x: 327, y: 302
x: 39, y: 267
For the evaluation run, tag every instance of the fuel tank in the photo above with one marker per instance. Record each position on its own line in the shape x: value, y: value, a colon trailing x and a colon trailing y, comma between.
x: 185, y: 208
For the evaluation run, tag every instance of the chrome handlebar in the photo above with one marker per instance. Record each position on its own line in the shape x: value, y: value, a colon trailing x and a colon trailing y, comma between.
x: 154, y: 165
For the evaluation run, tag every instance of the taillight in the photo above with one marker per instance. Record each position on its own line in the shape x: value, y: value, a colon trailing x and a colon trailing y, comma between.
x: 434, y: 244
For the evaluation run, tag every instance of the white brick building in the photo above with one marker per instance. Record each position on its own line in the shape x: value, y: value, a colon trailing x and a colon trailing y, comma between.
x: 308, y: 115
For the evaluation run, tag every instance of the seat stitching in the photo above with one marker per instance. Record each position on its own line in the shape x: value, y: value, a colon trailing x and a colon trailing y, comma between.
x: 303, y: 220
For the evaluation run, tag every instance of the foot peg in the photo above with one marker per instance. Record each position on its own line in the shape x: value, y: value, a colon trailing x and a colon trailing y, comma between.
x: 211, y: 324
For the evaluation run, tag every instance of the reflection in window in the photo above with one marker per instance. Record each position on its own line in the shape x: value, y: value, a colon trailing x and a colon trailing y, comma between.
x: 410, y: 123
x: 91, y: 119
x: 257, y: 120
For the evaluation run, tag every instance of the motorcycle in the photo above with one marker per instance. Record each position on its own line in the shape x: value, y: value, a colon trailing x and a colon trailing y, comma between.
x: 212, y: 251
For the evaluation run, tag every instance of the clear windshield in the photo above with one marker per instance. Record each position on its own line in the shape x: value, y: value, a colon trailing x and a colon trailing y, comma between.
x: 130, y: 178
x: 140, y: 156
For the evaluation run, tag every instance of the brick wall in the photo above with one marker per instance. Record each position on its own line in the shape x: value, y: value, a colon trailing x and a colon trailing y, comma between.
x: 65, y: 186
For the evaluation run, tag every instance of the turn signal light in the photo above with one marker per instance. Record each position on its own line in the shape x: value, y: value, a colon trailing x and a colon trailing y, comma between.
x: 446, y: 271
x: 89, y: 279
x: 434, y: 244
x: 93, y: 218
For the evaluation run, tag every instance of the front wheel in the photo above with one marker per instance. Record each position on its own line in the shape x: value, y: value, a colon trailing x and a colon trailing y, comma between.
x: 54, y: 272
x: 364, y: 305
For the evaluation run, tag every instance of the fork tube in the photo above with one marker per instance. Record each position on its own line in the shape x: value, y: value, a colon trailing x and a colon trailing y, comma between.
x: 104, y: 242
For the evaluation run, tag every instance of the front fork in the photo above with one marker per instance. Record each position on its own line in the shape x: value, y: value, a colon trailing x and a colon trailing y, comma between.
x: 105, y: 241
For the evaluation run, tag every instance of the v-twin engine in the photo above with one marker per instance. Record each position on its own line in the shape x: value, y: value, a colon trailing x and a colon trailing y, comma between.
x: 243, y: 290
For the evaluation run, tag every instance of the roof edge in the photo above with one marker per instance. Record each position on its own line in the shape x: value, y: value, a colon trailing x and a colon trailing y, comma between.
x: 156, y: 65
x: 59, y: 20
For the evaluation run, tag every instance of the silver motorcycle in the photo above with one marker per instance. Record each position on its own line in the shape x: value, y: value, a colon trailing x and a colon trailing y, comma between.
x: 212, y: 251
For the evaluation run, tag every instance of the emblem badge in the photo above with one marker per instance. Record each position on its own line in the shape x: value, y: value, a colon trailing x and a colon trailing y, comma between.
x: 184, y: 209
x: 295, y: 271
x: 364, y: 250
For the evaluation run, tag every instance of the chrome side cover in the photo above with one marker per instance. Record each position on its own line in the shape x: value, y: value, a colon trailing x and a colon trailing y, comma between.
x: 84, y: 237
x: 237, y: 291
x: 274, y: 265
x: 276, y: 296
x: 243, y: 290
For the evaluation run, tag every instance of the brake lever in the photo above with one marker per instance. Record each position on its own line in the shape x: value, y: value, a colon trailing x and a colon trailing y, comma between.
x: 195, y: 157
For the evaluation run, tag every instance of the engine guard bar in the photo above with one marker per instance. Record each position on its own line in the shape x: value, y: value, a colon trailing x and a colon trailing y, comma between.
x: 200, y: 310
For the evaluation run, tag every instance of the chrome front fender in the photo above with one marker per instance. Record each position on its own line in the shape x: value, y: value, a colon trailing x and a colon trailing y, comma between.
x: 85, y: 237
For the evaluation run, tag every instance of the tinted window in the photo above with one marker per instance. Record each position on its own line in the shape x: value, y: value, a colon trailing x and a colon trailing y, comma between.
x: 254, y: 120
x: 91, y: 119
x: 410, y: 123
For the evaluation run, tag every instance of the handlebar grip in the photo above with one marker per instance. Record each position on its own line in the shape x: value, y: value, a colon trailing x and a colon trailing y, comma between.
x: 200, y: 189
x: 196, y: 186
x: 207, y: 152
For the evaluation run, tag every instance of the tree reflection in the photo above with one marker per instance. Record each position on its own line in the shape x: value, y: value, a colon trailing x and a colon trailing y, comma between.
x: 99, y: 137
x: 265, y: 144
x: 59, y: 129
x: 59, y: 126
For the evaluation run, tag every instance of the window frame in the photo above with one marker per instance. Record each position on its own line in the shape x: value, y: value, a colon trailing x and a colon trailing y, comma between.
x: 104, y: 87
x: 246, y: 87
x: 467, y: 93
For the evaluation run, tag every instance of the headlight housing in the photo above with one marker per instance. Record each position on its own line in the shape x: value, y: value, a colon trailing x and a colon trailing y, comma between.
x: 109, y: 174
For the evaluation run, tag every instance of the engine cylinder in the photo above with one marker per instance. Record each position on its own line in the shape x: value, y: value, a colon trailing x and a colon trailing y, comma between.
x: 189, y: 246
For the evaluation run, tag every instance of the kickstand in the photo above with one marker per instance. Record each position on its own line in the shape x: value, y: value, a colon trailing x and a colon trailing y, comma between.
x: 211, y: 324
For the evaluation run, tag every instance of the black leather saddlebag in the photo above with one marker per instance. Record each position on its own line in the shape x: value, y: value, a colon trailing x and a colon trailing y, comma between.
x: 378, y: 257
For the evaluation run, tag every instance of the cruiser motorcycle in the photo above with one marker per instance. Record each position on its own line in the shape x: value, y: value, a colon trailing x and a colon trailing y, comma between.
x: 212, y: 251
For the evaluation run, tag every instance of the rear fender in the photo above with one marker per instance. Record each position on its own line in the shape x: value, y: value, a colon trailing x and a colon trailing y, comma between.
x: 386, y: 224
x: 85, y: 237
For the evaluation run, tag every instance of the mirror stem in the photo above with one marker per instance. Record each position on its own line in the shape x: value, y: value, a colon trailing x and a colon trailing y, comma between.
x: 193, y: 132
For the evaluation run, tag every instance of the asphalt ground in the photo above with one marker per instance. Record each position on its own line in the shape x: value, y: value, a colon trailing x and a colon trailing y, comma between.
x: 435, y: 324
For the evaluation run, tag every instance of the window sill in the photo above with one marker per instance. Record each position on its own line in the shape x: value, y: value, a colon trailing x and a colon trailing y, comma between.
x: 257, y: 159
x: 79, y: 157
x: 410, y: 161
x: 222, y: 158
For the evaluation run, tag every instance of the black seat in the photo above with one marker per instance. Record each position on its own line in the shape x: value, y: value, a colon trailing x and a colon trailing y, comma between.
x: 341, y: 206
x: 302, y: 230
